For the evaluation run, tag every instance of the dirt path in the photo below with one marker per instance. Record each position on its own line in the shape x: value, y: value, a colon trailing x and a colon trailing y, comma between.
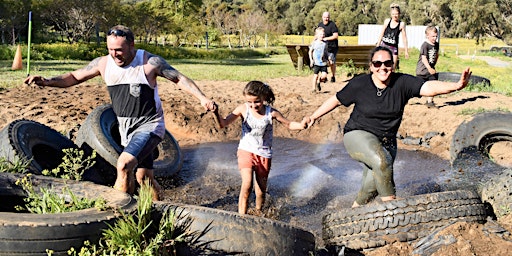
x: 63, y: 109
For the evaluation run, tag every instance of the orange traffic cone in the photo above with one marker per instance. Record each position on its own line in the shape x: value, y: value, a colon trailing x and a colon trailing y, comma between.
x: 17, y: 64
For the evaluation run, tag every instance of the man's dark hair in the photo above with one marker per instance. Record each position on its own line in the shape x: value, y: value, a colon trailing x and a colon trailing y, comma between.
x: 122, y: 31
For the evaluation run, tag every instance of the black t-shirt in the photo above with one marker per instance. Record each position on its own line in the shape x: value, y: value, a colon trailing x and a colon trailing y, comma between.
x: 379, y: 115
x: 330, y: 28
x: 432, y: 53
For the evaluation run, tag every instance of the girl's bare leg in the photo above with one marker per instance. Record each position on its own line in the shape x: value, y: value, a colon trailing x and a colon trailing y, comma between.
x: 260, y: 189
x: 245, y: 190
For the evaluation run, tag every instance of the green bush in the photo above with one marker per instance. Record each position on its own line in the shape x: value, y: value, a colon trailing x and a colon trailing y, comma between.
x: 84, y: 51
x: 16, y: 166
x: 46, y: 200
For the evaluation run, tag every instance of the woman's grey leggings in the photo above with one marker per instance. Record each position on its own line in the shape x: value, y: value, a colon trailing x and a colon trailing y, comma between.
x: 377, y: 157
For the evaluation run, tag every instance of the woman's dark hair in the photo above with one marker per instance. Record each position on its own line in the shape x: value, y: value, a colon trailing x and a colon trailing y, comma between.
x: 380, y: 48
x: 260, y: 89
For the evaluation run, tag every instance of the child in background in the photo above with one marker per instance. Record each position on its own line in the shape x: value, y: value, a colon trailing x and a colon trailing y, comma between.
x: 429, y: 53
x: 255, y: 147
x: 318, y: 57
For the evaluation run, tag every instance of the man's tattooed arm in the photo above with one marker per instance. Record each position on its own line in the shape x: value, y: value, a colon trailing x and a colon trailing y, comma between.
x: 164, y: 69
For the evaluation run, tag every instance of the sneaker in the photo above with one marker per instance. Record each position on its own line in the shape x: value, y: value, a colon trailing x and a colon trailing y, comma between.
x: 431, y: 105
x: 333, y: 79
x: 318, y: 87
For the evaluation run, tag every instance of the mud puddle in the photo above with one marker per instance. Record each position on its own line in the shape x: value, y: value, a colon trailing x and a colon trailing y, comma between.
x: 306, y: 182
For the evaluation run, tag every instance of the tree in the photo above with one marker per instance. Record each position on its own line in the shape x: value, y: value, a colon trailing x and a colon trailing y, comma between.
x: 222, y: 17
x: 75, y: 20
x: 480, y: 18
x: 13, y: 19
x: 295, y: 16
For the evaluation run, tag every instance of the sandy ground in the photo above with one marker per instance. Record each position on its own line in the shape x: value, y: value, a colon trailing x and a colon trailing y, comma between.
x: 63, y: 109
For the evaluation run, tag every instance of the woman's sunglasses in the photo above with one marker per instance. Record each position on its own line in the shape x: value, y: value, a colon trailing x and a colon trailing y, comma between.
x: 387, y: 63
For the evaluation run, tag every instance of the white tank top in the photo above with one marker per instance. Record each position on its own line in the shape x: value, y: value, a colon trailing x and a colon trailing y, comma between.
x: 136, y: 103
x: 257, y: 133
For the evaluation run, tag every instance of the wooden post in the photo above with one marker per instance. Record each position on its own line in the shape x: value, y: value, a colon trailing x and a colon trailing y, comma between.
x: 300, y: 58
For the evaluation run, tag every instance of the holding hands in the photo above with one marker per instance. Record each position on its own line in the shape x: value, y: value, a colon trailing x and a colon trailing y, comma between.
x: 208, y: 104
x: 307, y: 122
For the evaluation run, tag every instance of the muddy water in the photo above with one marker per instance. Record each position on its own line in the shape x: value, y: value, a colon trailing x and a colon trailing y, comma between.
x: 306, y: 180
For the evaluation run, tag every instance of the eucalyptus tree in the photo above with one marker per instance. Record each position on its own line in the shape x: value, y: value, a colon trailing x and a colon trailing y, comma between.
x: 481, y: 18
x: 221, y: 15
x: 295, y: 16
x: 13, y: 19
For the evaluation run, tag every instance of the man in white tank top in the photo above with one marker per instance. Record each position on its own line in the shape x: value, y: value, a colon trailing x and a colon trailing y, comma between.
x: 130, y: 76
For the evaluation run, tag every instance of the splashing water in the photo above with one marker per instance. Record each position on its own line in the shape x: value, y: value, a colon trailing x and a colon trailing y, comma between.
x: 306, y: 181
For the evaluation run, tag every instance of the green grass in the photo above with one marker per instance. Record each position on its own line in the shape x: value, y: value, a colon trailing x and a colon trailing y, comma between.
x: 500, y: 77
x: 246, y: 69
x: 278, y: 64
x: 472, y: 111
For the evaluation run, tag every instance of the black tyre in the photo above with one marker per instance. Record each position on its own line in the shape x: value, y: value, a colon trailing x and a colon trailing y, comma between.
x: 32, y: 234
x: 455, y: 77
x: 100, y: 132
x: 34, y: 142
x: 497, y: 193
x: 403, y: 219
x: 480, y: 133
x: 231, y: 233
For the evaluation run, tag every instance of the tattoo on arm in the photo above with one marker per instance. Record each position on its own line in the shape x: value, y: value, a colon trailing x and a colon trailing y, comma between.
x: 92, y: 64
x: 164, y: 69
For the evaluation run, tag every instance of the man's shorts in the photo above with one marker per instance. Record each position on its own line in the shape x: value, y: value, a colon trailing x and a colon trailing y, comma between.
x: 249, y: 160
x: 142, y: 146
x: 332, y: 56
x: 318, y: 69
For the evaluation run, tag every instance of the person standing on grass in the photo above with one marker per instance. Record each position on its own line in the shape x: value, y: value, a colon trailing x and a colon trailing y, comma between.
x: 391, y: 30
x: 429, y: 53
x: 379, y: 100
x: 131, y: 78
x: 331, y: 37
x: 255, y: 147
x: 319, y: 59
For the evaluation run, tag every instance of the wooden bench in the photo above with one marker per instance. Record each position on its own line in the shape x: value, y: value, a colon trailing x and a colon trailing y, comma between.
x: 359, y: 54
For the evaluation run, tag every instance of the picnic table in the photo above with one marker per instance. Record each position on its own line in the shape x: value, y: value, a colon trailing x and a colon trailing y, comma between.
x: 359, y: 54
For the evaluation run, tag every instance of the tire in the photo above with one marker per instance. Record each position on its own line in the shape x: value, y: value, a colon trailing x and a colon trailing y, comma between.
x: 35, y: 143
x: 454, y: 77
x: 230, y: 233
x: 480, y: 133
x: 100, y: 132
x: 39, y: 145
x: 32, y: 234
x: 497, y: 193
x: 406, y: 219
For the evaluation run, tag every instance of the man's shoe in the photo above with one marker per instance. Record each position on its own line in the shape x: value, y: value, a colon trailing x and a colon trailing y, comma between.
x: 431, y: 105
x: 333, y: 79
x: 318, y: 87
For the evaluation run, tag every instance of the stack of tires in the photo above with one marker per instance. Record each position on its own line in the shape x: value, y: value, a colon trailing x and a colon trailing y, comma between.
x: 416, y: 217
x: 42, y: 148
x: 407, y: 219
x: 32, y: 234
